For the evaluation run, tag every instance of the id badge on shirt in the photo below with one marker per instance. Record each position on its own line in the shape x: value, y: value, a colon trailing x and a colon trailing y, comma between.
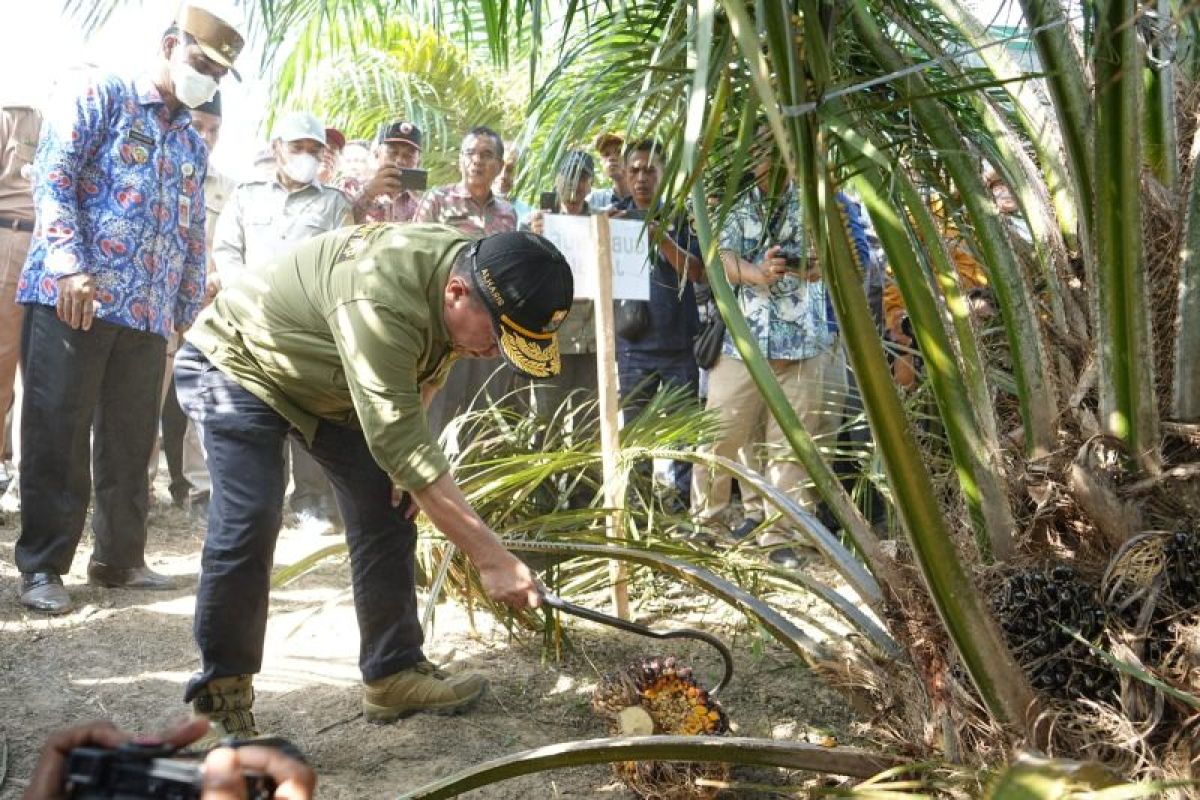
x: 185, y: 211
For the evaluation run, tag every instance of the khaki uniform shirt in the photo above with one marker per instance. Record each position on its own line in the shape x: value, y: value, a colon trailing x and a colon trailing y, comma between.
x: 217, y: 189
x: 20, y: 127
x: 345, y: 328
x: 263, y: 220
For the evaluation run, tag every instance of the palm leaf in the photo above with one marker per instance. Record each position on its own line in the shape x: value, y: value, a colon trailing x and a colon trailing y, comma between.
x: 1127, y: 404
x: 737, y: 750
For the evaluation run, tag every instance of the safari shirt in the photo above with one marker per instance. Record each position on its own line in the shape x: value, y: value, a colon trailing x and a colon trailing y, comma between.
x: 263, y: 220
x: 345, y: 328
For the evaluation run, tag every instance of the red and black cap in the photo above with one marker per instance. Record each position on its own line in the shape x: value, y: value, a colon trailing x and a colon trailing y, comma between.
x: 400, y: 131
x: 526, y: 285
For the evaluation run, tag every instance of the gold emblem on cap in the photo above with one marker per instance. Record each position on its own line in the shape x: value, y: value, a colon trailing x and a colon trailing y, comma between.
x: 535, y: 360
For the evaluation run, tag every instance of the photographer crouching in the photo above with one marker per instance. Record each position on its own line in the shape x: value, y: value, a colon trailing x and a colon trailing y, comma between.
x: 222, y: 775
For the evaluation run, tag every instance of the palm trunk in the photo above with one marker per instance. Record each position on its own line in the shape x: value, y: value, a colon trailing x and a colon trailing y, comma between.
x: 1002, y: 685
x: 1185, y: 395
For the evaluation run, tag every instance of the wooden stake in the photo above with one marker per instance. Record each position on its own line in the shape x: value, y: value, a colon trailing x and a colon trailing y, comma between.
x: 606, y: 375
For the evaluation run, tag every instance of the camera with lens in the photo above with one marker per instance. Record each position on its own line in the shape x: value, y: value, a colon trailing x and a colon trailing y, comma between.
x: 134, y: 771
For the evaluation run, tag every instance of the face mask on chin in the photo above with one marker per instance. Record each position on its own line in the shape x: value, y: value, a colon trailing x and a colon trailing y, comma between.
x: 192, y: 87
x: 301, y: 167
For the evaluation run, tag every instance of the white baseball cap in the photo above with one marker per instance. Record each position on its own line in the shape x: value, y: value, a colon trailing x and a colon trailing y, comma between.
x: 300, y: 125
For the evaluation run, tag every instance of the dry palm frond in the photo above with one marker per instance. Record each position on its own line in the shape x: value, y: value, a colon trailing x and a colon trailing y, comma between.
x: 1094, y: 731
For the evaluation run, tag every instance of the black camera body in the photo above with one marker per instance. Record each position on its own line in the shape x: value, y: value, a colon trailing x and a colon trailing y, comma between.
x: 136, y: 772
x: 415, y: 180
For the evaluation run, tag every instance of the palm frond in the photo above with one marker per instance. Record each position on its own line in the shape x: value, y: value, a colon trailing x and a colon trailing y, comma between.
x: 740, y: 750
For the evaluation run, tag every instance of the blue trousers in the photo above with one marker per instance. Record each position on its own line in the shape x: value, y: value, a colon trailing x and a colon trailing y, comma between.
x: 641, y: 374
x: 245, y: 440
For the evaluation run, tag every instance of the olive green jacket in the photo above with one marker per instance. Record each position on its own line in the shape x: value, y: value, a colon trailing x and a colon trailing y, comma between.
x: 345, y: 328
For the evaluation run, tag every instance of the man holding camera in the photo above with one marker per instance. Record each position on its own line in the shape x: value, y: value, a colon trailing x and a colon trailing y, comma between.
x: 395, y: 191
x: 766, y: 257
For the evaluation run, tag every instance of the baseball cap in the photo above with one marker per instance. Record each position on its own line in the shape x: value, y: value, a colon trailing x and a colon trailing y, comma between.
x: 335, y: 139
x: 576, y: 164
x: 299, y: 125
x: 526, y: 285
x: 607, y: 139
x: 219, y: 40
x: 400, y: 131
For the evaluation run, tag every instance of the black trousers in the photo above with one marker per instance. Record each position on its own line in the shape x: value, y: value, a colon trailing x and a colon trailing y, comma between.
x: 89, y: 396
x: 174, y: 426
x: 244, y: 439
x: 641, y: 374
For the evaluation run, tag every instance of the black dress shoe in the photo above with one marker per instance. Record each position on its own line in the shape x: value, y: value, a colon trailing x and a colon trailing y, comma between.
x: 44, y: 592
x: 127, y: 577
x: 745, y: 529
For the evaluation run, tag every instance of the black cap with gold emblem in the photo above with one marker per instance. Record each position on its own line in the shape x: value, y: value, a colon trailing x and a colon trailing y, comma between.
x: 526, y: 284
x: 219, y: 40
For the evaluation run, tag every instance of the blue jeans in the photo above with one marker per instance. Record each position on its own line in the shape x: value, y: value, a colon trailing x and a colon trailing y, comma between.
x: 641, y: 374
x: 244, y: 439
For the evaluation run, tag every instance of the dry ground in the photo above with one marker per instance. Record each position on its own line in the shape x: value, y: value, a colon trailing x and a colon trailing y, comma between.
x: 126, y: 656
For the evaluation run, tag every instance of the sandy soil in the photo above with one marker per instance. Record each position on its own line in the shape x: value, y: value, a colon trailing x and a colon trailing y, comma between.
x: 126, y: 655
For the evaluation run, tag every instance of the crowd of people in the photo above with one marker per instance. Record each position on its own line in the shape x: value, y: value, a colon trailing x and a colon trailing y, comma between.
x: 336, y: 313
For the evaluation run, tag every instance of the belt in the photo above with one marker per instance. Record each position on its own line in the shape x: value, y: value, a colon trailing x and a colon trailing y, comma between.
x: 16, y: 224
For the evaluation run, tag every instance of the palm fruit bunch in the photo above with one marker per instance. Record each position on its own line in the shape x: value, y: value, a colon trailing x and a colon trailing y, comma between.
x: 1031, y: 606
x: 660, y: 696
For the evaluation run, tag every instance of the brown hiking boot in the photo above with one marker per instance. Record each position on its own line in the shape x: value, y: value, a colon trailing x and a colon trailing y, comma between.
x: 421, y: 687
x: 226, y: 703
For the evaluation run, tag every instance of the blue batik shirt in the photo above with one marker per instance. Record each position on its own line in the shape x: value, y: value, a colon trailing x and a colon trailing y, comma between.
x: 119, y: 195
x: 791, y: 318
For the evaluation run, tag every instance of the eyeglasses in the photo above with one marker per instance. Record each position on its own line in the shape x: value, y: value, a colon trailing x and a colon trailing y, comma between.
x: 479, y: 155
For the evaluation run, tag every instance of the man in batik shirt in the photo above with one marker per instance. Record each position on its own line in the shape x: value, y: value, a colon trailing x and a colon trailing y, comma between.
x: 116, y: 264
x: 768, y: 260
x: 471, y: 206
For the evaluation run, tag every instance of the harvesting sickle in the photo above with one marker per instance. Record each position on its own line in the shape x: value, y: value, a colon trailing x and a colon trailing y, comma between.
x: 551, y: 600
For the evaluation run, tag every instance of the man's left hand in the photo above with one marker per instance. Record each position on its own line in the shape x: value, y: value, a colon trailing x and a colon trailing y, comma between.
x: 398, y: 497
x: 49, y: 775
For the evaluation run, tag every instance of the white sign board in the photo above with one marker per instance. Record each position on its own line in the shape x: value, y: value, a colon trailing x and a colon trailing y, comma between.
x: 630, y: 255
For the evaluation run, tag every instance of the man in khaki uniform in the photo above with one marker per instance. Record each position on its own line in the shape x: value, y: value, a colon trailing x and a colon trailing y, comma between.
x: 339, y: 346
x: 265, y: 219
x: 20, y: 127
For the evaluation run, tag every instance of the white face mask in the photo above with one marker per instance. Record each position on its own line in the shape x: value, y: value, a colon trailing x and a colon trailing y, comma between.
x: 302, y: 167
x: 192, y: 87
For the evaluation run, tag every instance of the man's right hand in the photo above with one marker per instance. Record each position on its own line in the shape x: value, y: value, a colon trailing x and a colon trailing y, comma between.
x: 225, y: 767
x: 774, y: 266
x: 510, y: 581
x: 77, y: 300
x: 385, y: 182
x: 537, y: 222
